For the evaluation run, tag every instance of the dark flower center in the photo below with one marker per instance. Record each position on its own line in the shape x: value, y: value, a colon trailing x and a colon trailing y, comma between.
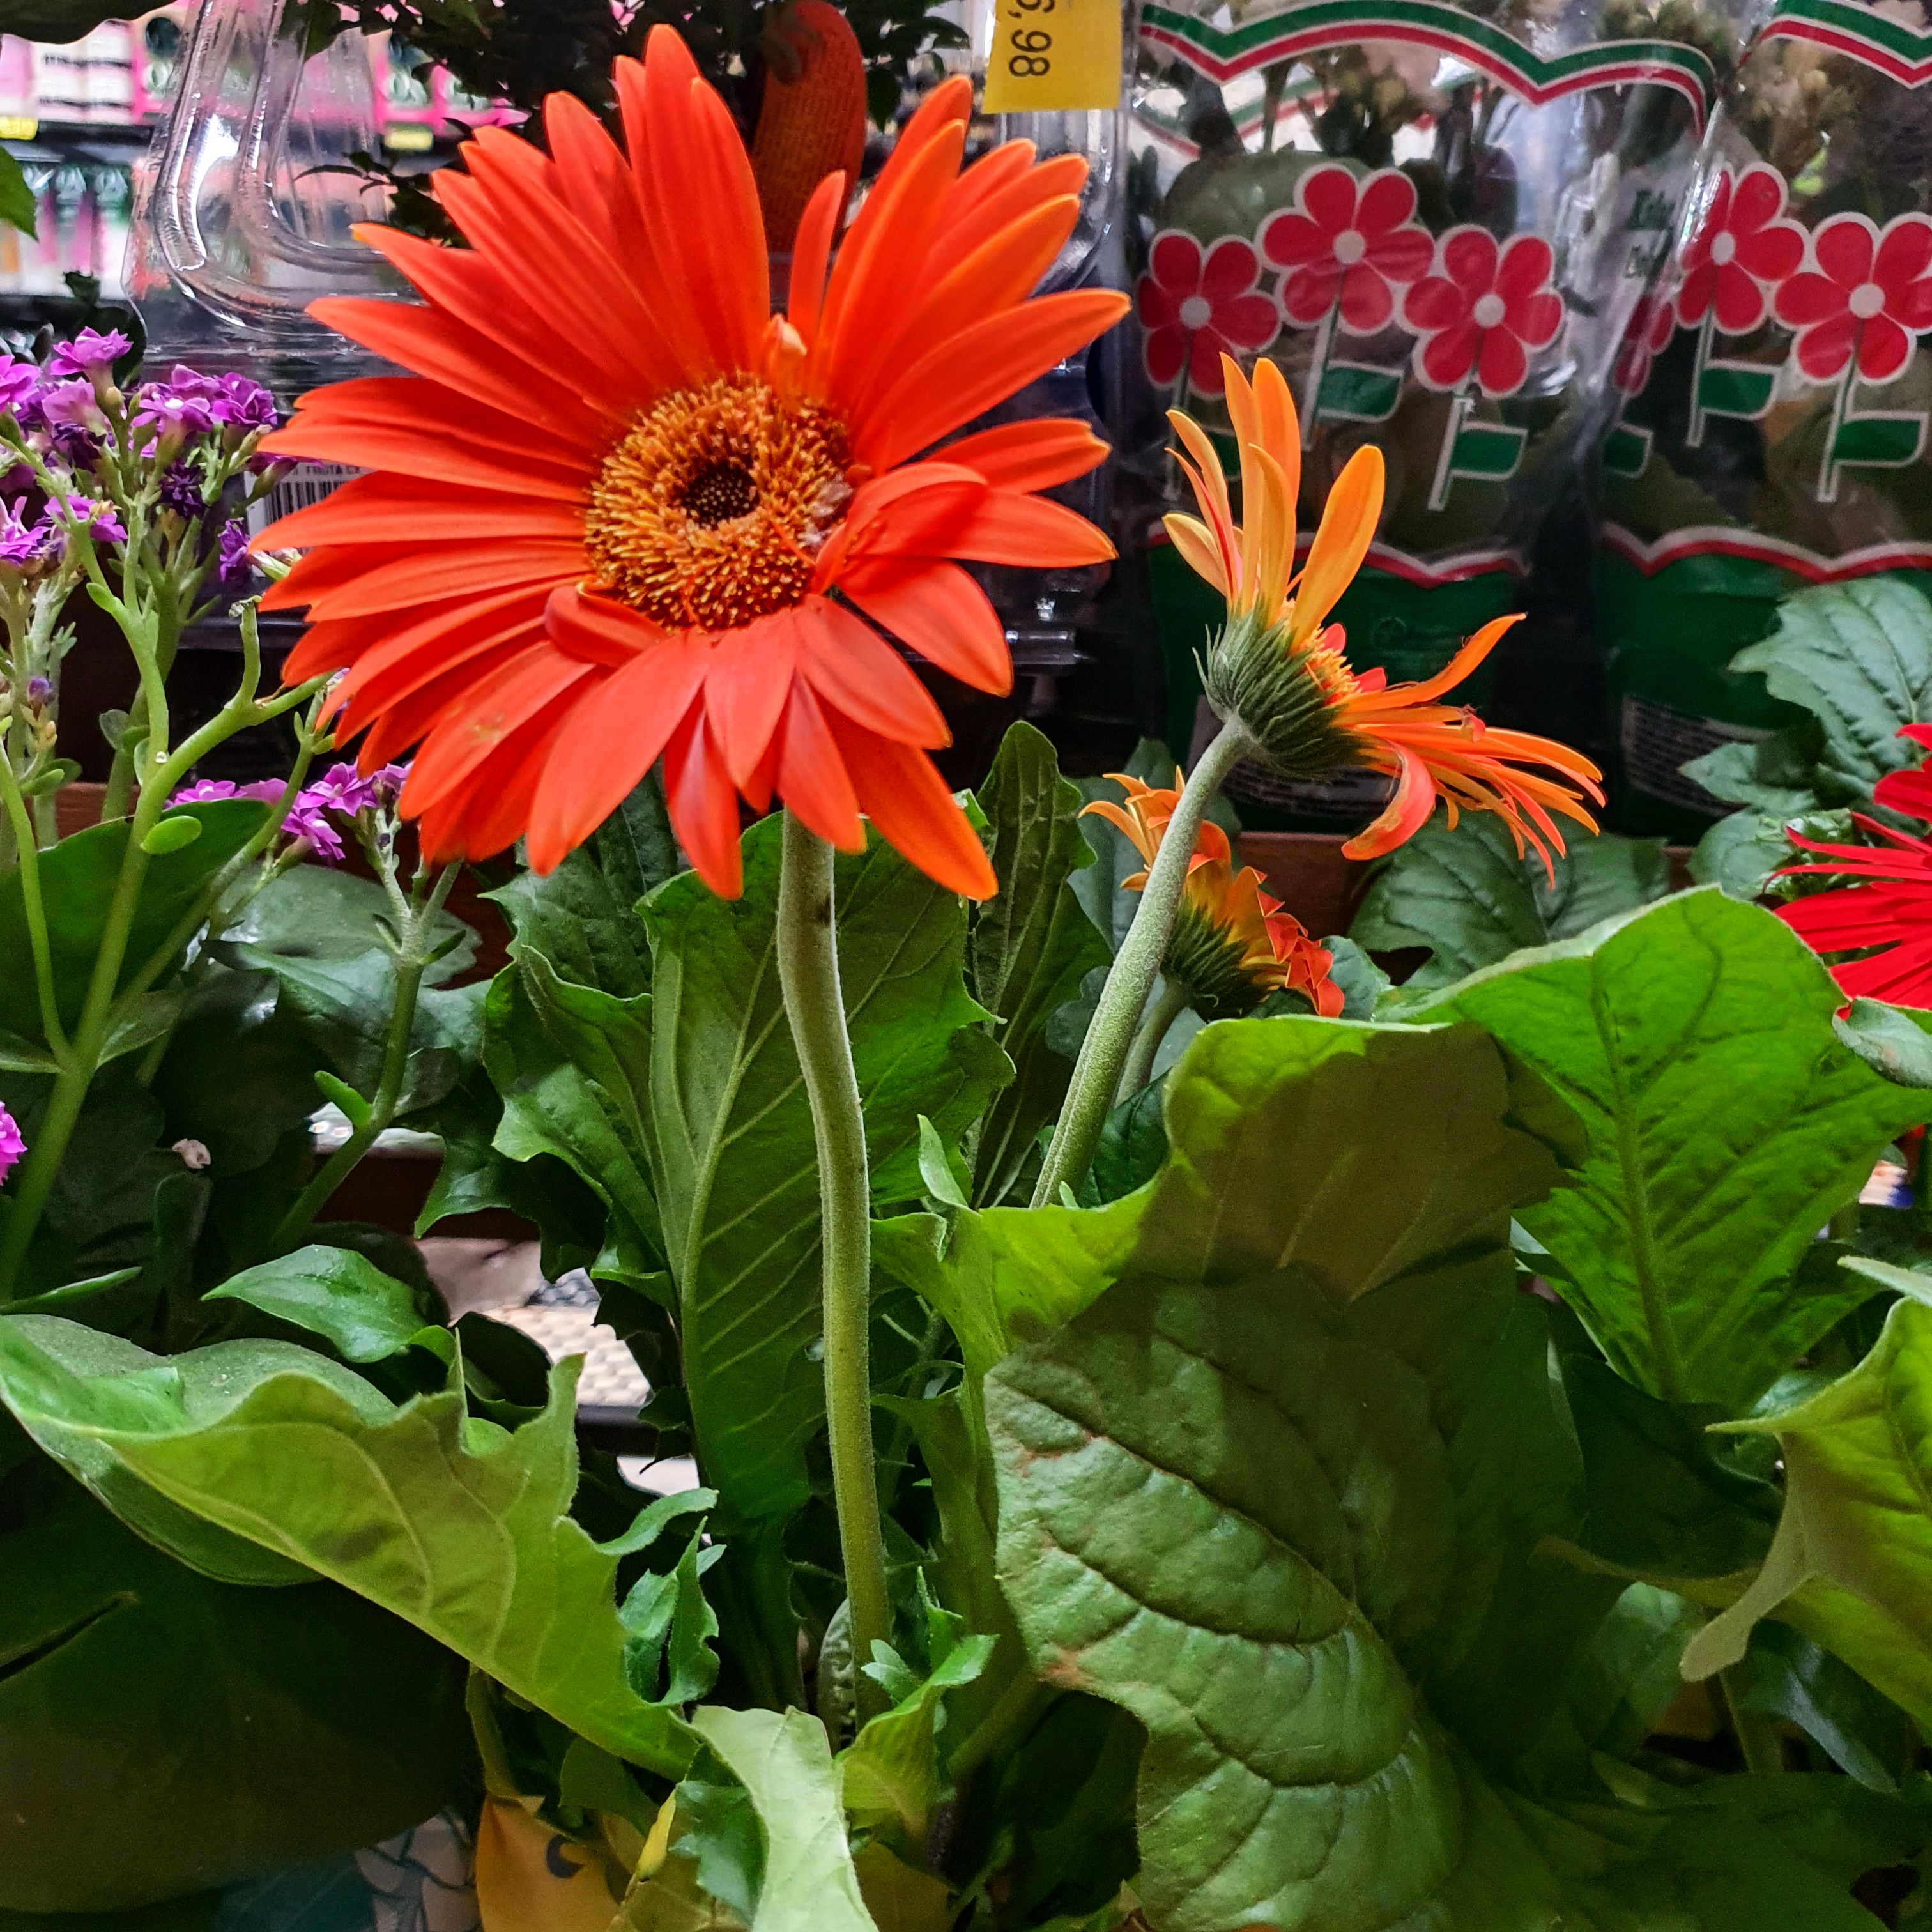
x: 719, y: 492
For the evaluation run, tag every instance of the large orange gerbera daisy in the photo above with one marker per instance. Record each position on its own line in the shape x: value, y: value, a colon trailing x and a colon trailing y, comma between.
x: 1279, y: 666
x: 621, y: 511
x: 1231, y: 945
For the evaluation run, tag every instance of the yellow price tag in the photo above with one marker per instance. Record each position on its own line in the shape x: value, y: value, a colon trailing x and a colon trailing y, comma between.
x: 1054, y: 55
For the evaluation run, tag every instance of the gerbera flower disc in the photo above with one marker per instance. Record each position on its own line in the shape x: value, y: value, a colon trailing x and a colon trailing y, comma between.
x: 620, y: 510
x: 1279, y: 666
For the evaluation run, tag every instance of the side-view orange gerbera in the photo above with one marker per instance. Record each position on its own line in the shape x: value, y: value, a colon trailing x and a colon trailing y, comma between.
x: 620, y: 510
x: 1231, y: 944
x: 1280, y: 666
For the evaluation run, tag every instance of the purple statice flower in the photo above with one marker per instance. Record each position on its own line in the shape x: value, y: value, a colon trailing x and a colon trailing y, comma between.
x: 207, y: 791
x: 96, y: 514
x: 12, y: 1146
x: 21, y: 543
x: 233, y: 565
x: 308, y: 818
x: 244, y: 405
x: 89, y: 354
x: 181, y: 490
x: 72, y: 406
x: 19, y: 383
x: 164, y: 408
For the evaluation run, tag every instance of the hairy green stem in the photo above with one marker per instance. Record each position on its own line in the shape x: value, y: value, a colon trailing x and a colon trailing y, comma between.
x: 808, y: 956
x: 35, y: 913
x: 1110, y: 1037
x: 416, y: 949
x: 1169, y: 1006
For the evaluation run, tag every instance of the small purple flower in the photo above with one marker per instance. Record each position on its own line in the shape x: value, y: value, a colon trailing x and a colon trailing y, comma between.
x: 40, y: 692
x: 246, y: 405
x: 181, y: 491
x: 310, y: 821
x: 387, y: 784
x: 19, y: 383
x: 21, y: 543
x: 89, y: 353
x: 164, y: 408
x: 341, y: 788
x: 234, y: 566
x: 72, y: 406
x: 12, y: 1146
x: 97, y: 515
x: 208, y: 791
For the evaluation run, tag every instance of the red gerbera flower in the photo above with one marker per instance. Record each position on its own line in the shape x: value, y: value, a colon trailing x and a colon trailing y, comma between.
x: 1485, y: 307
x: 1195, y: 307
x: 622, y: 510
x: 1356, y: 240
x: 1742, y: 247
x: 1867, y: 295
x: 1885, y: 916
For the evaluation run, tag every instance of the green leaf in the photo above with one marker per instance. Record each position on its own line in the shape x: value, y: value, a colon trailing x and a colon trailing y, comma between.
x: 935, y: 1169
x: 732, y: 1151
x: 1889, y: 1040
x: 363, y: 1314
x: 77, y: 880
x: 321, y: 933
x: 1133, y: 1145
x: 17, y: 198
x: 552, y: 1108
x: 1858, y: 656
x: 1785, y: 1675
x: 1776, y: 775
x: 459, y: 1526
x: 1257, y: 1149
x: 1278, y: 1532
x: 173, y: 834
x: 890, y: 1772
x: 164, y: 1732
x: 784, y: 1764
x: 1030, y: 946
x: 1725, y: 1125
x: 1466, y: 894
x: 1852, y: 1563
x: 583, y: 917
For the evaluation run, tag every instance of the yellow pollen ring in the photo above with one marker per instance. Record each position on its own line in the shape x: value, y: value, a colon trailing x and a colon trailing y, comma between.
x: 712, y: 510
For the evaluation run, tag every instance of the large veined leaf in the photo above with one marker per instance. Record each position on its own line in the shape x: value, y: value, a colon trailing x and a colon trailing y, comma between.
x: 1030, y: 946
x: 1467, y: 894
x: 1279, y: 1532
x: 1859, y: 656
x: 77, y: 877
x: 732, y: 1153
x: 583, y: 917
x: 1726, y: 1122
x: 807, y: 1883
x: 1262, y: 1170
x: 1852, y: 1562
x: 454, y: 1524
x: 160, y: 1732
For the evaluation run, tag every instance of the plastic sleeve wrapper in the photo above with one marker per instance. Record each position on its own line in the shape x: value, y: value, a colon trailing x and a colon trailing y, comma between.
x: 1438, y: 220
x: 1773, y: 393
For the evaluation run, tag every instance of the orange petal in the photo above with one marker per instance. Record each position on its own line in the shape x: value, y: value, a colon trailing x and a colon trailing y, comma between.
x: 446, y: 456
x: 445, y: 695
x: 900, y: 790
x: 492, y: 716
x: 746, y: 683
x: 856, y: 672
x: 1009, y: 527
x: 703, y: 806
x: 1403, y: 818
x: 426, y: 576
x: 624, y: 725
x: 372, y: 509
x: 1347, y: 528
x: 812, y: 780
x: 1190, y: 537
x: 412, y: 402
x: 811, y: 255
x: 936, y: 609
x: 1038, y: 454
x: 1471, y: 654
x: 600, y: 630
x: 985, y: 363
x: 962, y: 233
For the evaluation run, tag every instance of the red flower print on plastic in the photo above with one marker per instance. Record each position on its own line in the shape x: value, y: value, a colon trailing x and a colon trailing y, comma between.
x: 1866, y: 295
x: 1652, y: 323
x: 1743, y: 247
x: 1194, y: 306
x: 1349, y: 240
x: 1483, y: 310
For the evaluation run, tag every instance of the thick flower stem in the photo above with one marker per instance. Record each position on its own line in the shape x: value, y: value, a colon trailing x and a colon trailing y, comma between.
x: 808, y: 952
x: 1110, y: 1038
x: 1168, y: 1008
